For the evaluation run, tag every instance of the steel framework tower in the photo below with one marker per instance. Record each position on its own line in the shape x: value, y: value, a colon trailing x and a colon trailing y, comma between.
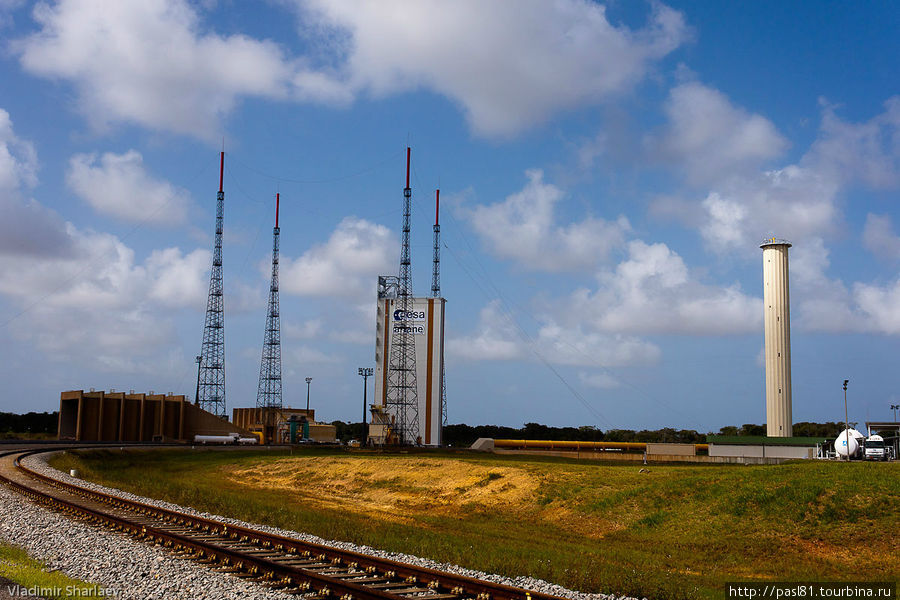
x: 436, y: 292
x: 212, y: 354
x: 402, y: 388
x: 268, y: 395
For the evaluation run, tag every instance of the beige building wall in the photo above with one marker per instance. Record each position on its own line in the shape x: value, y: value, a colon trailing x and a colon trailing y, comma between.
x: 777, y: 310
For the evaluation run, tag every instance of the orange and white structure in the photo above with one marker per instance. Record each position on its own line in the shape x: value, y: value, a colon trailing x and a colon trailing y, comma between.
x: 777, y: 323
x: 424, y: 323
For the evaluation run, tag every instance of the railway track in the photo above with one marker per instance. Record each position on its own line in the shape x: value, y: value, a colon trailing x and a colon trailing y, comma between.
x: 288, y: 564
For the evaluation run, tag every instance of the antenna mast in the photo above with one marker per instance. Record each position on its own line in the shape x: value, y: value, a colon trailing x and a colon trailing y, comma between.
x: 436, y: 292
x: 402, y: 389
x: 212, y: 354
x: 268, y: 394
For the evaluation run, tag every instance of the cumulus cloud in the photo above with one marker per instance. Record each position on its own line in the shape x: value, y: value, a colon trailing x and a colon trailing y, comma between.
x: 98, y: 296
x: 509, y: 64
x: 711, y: 137
x: 119, y: 186
x: 26, y: 227
x: 880, y: 305
x: 18, y: 160
x: 867, y: 151
x: 795, y: 202
x: 653, y: 292
x: 600, y: 381
x: 155, y: 63
x: 151, y: 62
x: 498, y: 337
x: 879, y: 237
x: 524, y: 228
x: 802, y: 201
x: 347, y: 265
x: 494, y: 339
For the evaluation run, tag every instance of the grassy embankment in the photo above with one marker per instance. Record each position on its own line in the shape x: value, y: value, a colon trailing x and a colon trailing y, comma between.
x: 675, y: 532
x: 19, y: 568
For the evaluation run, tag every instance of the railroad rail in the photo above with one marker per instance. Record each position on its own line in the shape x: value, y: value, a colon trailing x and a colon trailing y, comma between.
x: 288, y: 564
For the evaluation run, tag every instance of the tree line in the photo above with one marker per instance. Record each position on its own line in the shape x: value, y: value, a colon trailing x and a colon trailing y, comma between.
x: 462, y: 435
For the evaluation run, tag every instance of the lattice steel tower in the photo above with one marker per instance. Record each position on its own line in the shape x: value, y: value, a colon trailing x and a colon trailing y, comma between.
x: 436, y: 292
x: 212, y: 354
x: 402, y: 389
x: 268, y: 394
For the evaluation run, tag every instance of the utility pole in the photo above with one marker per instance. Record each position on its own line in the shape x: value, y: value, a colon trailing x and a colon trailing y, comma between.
x: 846, y: 421
x: 308, y: 381
x: 366, y: 372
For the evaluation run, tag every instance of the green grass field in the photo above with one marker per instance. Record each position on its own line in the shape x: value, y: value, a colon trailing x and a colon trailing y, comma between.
x: 19, y: 568
x: 675, y: 532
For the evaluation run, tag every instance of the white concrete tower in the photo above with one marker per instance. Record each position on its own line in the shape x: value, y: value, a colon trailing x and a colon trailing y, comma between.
x: 777, y: 302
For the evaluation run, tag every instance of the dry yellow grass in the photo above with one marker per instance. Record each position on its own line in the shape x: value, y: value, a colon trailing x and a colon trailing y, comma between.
x: 382, y: 487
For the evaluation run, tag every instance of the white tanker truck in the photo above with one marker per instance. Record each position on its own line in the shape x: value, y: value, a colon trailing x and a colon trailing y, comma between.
x: 860, y: 446
x: 849, y: 443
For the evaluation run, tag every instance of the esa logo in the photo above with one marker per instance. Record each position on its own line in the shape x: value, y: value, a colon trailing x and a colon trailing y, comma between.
x: 408, y: 315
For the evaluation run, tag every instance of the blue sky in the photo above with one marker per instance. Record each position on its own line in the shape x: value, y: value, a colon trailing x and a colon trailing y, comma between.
x: 607, y: 172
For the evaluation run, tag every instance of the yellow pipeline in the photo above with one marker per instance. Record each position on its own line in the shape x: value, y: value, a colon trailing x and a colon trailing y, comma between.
x: 570, y: 445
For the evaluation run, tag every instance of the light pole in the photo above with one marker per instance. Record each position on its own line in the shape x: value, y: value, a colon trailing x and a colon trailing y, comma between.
x: 894, y: 408
x: 365, y: 372
x: 846, y: 421
x: 308, y: 380
x: 199, y: 360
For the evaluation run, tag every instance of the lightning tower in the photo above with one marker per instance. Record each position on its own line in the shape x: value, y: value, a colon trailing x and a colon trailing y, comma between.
x: 211, y: 396
x: 268, y: 395
x: 436, y: 291
x: 402, y: 389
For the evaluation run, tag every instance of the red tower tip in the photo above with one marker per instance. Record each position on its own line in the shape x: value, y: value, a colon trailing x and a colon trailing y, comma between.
x: 277, y: 204
x: 407, y: 167
x: 221, y: 168
x: 437, y: 206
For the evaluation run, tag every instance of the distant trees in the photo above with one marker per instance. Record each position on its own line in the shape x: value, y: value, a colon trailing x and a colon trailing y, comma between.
x: 32, y: 422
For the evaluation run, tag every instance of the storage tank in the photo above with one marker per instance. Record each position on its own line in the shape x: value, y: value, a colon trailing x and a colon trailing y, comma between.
x: 843, y: 448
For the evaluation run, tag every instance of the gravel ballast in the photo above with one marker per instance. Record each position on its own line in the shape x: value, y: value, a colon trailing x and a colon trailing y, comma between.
x: 139, y: 571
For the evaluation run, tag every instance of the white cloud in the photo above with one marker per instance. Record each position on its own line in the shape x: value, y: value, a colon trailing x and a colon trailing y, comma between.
x: 151, y: 62
x: 879, y: 237
x: 711, y: 137
x: 880, y: 305
x: 794, y: 202
x: 868, y: 151
x: 98, y: 297
x: 510, y: 64
x: 494, y: 339
x: 523, y: 228
x: 306, y: 330
x: 498, y: 337
x: 119, y: 186
x: 26, y: 227
x: 801, y: 201
x: 347, y: 265
x: 601, y: 381
x: 653, y: 292
x: 18, y: 160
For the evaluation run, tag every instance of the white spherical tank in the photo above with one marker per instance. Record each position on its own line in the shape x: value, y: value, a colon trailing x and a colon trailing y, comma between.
x: 844, y: 447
